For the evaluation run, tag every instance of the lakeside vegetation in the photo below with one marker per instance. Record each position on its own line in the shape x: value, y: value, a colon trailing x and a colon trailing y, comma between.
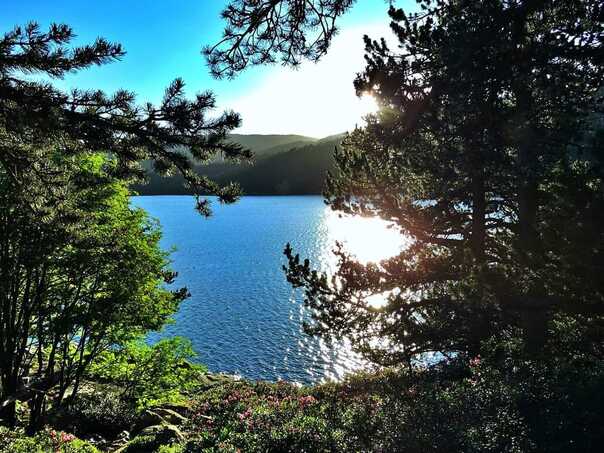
x: 482, y: 405
x: 487, y: 153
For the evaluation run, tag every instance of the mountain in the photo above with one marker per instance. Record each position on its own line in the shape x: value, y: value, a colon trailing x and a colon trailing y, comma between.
x: 265, y: 145
x: 283, y: 165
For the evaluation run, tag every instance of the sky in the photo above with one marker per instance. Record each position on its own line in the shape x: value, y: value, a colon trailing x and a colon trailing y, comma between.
x: 163, y: 40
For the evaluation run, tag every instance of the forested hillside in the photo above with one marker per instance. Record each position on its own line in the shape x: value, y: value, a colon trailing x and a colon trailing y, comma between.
x: 282, y: 165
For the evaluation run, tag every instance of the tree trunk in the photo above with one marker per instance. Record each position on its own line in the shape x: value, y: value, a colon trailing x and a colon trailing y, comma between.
x: 478, y: 217
x: 8, y: 414
x: 534, y: 320
x: 36, y: 413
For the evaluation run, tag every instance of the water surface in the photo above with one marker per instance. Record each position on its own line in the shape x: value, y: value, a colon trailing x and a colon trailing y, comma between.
x: 243, y: 317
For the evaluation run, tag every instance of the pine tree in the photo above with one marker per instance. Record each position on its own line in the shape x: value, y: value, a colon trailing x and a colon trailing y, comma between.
x: 485, y: 156
x: 34, y: 112
x: 270, y: 31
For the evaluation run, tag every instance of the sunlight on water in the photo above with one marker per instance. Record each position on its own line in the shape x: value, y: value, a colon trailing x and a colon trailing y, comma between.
x: 369, y: 239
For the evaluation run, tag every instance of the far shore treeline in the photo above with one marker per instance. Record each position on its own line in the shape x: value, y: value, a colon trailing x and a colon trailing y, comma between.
x: 282, y: 165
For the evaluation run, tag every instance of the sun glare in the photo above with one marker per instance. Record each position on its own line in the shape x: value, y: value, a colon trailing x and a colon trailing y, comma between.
x: 369, y: 239
x: 367, y: 104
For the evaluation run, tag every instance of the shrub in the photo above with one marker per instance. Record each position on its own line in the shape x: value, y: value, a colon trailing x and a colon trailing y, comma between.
x: 152, y: 443
x: 104, y: 413
x: 151, y: 375
x: 48, y: 441
x: 170, y: 449
x: 142, y: 444
x: 260, y: 417
x: 501, y: 403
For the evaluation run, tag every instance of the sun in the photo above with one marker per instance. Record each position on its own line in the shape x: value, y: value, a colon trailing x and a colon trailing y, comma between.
x: 367, y: 105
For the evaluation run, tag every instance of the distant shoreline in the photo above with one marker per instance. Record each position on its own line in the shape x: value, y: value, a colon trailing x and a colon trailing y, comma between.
x: 242, y: 196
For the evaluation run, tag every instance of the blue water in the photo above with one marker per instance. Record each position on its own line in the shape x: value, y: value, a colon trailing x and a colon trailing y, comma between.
x: 243, y: 317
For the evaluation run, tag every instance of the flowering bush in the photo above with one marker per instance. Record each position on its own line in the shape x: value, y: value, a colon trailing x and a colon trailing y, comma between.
x: 499, y: 403
x: 47, y: 441
x: 260, y: 417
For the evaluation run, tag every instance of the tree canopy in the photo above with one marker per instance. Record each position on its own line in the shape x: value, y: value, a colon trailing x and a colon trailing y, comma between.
x: 270, y: 31
x: 32, y: 111
x: 81, y: 271
x: 486, y: 155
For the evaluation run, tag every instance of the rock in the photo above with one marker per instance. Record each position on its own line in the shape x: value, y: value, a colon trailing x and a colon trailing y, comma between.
x: 163, y: 433
x: 183, y: 408
x: 170, y: 416
x: 147, y: 418
x: 120, y: 449
x: 159, y: 416
x: 210, y: 380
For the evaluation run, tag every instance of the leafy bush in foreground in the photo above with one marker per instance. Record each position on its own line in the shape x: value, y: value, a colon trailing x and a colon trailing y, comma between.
x: 48, y: 441
x: 150, y: 374
x: 101, y: 412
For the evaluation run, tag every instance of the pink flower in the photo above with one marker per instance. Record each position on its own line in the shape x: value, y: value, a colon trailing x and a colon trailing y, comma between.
x: 67, y: 437
x: 243, y: 415
x: 235, y: 396
x: 475, y: 361
x: 203, y: 408
x: 306, y: 400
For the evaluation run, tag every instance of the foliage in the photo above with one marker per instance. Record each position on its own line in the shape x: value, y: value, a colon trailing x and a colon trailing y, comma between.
x: 170, y: 449
x: 48, y: 441
x: 162, y: 438
x: 267, y: 31
x: 142, y: 444
x: 503, y: 402
x: 482, y: 156
x: 102, y: 411
x: 81, y: 271
x: 150, y: 375
x: 34, y: 113
x: 259, y: 417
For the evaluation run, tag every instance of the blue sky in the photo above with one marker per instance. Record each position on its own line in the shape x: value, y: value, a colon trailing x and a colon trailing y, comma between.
x: 163, y: 40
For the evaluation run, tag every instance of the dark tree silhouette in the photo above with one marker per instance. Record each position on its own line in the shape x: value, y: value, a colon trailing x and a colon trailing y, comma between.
x: 486, y: 155
x: 32, y: 111
x: 269, y: 31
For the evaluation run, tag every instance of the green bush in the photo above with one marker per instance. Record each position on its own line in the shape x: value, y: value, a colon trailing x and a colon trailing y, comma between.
x: 142, y: 444
x: 260, y: 417
x: 151, y: 444
x: 48, y: 441
x: 500, y: 403
x: 151, y: 374
x: 105, y: 413
x: 170, y: 449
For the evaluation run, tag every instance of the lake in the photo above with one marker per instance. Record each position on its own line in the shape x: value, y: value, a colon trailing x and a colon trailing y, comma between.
x: 243, y: 317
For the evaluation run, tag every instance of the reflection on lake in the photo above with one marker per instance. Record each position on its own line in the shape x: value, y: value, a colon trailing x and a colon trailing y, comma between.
x: 243, y: 316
